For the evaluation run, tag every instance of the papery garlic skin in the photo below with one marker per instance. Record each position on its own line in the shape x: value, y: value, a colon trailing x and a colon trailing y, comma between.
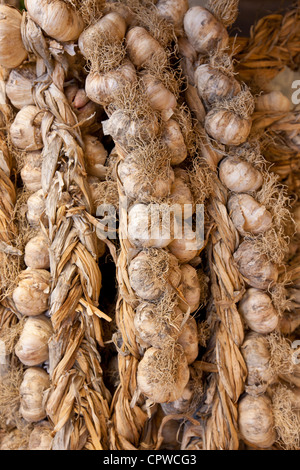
x: 37, y: 252
x: 141, y: 46
x: 57, y: 18
x: 214, y: 85
x: 32, y: 293
x: 248, y: 215
x: 31, y: 172
x: 275, y: 101
x: 41, y: 437
x: 156, y: 386
x: 173, y: 11
x: 188, y: 339
x: 258, y: 311
x: 32, y: 348
x: 185, y: 245
x: 204, y: 31
x: 239, y: 175
x: 19, y: 86
x: 35, y: 382
x: 190, y: 288
x: 173, y: 138
x: 160, y: 98
x: 36, y: 207
x: 256, y: 421
x: 227, y: 127
x: 12, y: 50
x: 25, y: 131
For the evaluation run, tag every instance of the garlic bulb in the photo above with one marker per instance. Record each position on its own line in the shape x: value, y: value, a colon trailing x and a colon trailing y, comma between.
x: 185, y: 246
x: 162, y: 375
x: 256, y: 421
x: 37, y: 252
x: 273, y: 102
x: 32, y: 293
x: 112, y: 25
x: 256, y: 352
x: 25, y: 131
x: 12, y: 50
x: 190, y: 288
x: 155, y: 327
x: 214, y: 85
x: 149, y: 226
x: 144, y: 188
x: 204, y: 31
x: 19, y: 86
x: 35, y: 382
x: 181, y: 195
x: 239, y: 175
x: 36, y: 209
x: 153, y: 273
x: 160, y: 98
x: 57, y: 18
x: 188, y: 339
x: 255, y: 267
x: 173, y: 138
x: 258, y: 312
x: 183, y: 403
x: 95, y: 156
x: 32, y: 347
x: 31, y: 172
x: 248, y: 215
x: 141, y: 47
x: 173, y: 11
x: 227, y: 127
x: 102, y: 87
x: 41, y: 437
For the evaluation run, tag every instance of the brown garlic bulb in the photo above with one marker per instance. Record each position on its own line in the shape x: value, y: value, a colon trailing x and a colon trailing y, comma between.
x: 31, y: 172
x: 160, y: 98
x: 150, y: 278
x: 155, y: 327
x: 32, y: 293
x: 239, y: 175
x: 188, y: 339
x: 227, y: 127
x: 141, y: 46
x: 256, y: 353
x: 32, y: 347
x: 248, y: 215
x: 190, y: 288
x: 57, y: 18
x: 163, y: 374
x: 173, y: 138
x: 256, y: 268
x: 173, y: 11
x: 273, y: 102
x: 258, y: 311
x: 12, y: 50
x: 214, y: 85
x: 25, y: 131
x: 102, y: 87
x: 41, y: 437
x: 36, y: 209
x: 204, y: 31
x: 37, y: 252
x: 112, y: 25
x: 95, y: 156
x: 256, y: 421
x: 19, y: 86
x: 35, y: 382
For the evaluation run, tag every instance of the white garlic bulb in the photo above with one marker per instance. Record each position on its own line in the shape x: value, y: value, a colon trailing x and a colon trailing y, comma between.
x: 141, y: 46
x: 31, y: 172
x: 12, y: 50
x: 204, y: 31
x: 25, y: 131
x: 32, y: 293
x: 102, y: 87
x: 183, y: 403
x: 214, y: 85
x: 32, y: 348
x: 190, y: 288
x: 173, y: 11
x: 173, y: 138
x: 36, y: 209
x: 181, y: 198
x: 162, y: 375
x: 239, y: 175
x: 41, y: 437
x: 256, y: 421
x: 95, y: 156
x: 273, y: 102
x: 256, y: 268
x: 19, y: 86
x: 248, y: 215
x: 160, y: 98
x: 185, y: 245
x: 37, y: 252
x: 35, y: 382
x: 227, y: 127
x: 188, y: 339
x: 258, y: 311
x: 154, y: 326
x: 57, y: 18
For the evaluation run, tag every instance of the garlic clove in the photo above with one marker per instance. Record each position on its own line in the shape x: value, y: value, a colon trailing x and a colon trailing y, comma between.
x: 32, y: 293
x: 173, y: 138
x: 142, y: 47
x: 19, y: 86
x: 239, y: 175
x: 32, y: 346
x: 188, y: 339
x: 258, y: 312
x: 214, y: 85
x: 248, y: 215
x: 37, y: 252
x: 35, y: 382
x: 204, y: 31
x: 25, y: 131
x: 31, y: 172
x: 227, y: 127
x: 12, y: 50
